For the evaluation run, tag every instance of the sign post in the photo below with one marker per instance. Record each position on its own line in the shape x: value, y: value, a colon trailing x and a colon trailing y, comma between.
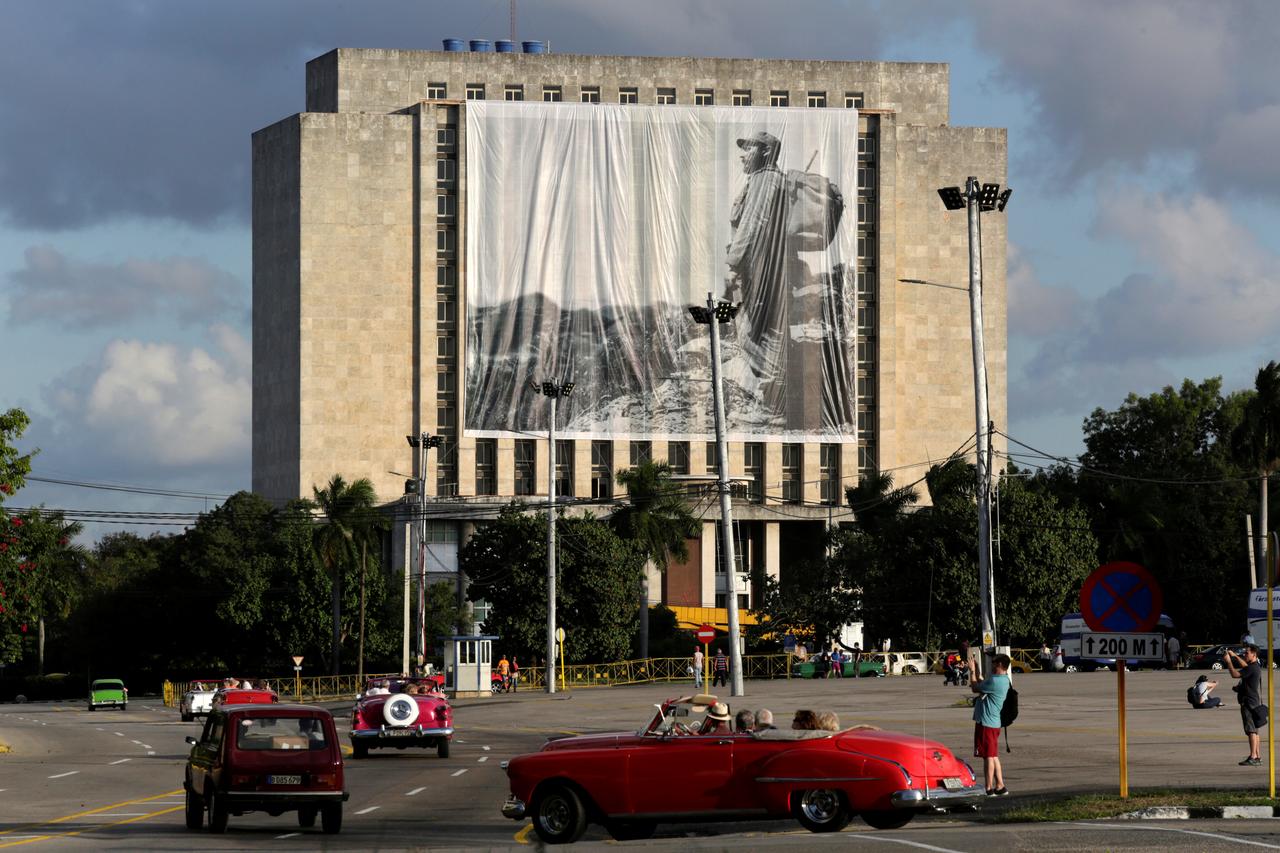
x: 705, y: 635
x: 1273, y: 552
x: 1121, y: 602
x: 560, y: 640
x: 297, y: 677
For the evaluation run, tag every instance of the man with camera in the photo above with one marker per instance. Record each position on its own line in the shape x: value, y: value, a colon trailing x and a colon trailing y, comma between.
x: 1249, y: 695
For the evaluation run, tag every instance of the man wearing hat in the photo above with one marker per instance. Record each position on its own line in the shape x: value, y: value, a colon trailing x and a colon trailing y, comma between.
x: 717, y: 721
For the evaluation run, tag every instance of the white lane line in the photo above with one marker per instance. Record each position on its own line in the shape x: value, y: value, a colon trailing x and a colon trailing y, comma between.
x: 412, y: 793
x: 288, y: 835
x: 482, y: 759
x: 485, y: 748
x: 459, y: 772
x: 100, y: 728
x: 118, y: 734
x: 138, y: 742
x: 1237, y: 839
x: 147, y: 746
x: 151, y: 752
x: 120, y: 761
x: 369, y: 809
x: 62, y: 775
x: 917, y: 844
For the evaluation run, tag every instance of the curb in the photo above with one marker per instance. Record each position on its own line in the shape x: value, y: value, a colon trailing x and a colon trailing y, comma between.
x: 1185, y: 813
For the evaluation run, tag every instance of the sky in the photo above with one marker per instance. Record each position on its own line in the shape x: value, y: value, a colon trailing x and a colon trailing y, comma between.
x: 1143, y: 226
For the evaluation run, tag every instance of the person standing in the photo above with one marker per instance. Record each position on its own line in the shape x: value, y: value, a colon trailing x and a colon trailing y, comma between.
x: 697, y: 666
x: 837, y: 662
x: 515, y: 674
x: 986, y: 723
x: 504, y: 674
x: 1248, y: 694
x: 857, y: 660
x: 1173, y: 653
x: 721, y: 667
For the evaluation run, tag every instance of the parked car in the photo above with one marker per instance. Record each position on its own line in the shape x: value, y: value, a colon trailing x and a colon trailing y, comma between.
x: 629, y: 781
x: 108, y: 693
x: 868, y: 667
x: 388, y: 715
x: 243, y: 696
x: 907, y: 663
x: 198, y: 700
x: 1211, y: 658
x: 267, y: 758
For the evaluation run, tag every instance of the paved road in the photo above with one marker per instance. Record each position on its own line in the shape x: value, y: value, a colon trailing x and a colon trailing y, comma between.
x: 112, y: 780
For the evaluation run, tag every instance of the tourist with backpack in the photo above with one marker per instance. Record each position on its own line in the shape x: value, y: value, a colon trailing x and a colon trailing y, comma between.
x: 988, y: 717
x: 1198, y: 693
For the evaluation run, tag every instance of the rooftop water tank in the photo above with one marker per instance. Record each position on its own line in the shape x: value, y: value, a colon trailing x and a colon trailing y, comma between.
x: 505, y: 46
x: 454, y: 45
x: 534, y: 47
x: 481, y: 46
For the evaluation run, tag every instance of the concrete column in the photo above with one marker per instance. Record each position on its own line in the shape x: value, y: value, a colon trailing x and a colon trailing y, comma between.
x: 506, y: 461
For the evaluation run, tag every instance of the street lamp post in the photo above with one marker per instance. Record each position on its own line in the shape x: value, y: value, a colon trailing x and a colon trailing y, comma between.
x: 713, y: 315
x: 553, y: 392
x: 423, y: 443
x: 978, y: 199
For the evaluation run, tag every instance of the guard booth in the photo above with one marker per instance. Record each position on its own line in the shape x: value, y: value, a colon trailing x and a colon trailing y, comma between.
x: 468, y: 664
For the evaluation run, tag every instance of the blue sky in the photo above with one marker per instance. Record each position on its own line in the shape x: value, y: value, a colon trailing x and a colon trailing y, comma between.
x: 1143, y: 225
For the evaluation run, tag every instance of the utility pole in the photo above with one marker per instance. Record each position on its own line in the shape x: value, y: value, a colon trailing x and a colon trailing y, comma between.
x: 554, y: 392
x: 422, y: 443
x: 713, y: 315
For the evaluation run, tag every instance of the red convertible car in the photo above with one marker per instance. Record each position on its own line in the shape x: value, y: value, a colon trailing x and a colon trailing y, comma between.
x: 244, y: 696
x: 402, y: 712
x: 626, y: 781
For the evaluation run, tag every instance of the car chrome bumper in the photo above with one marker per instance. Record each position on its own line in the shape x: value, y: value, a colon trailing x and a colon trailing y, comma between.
x: 939, y: 799
x: 384, y: 733
x: 268, y: 800
x: 513, y: 808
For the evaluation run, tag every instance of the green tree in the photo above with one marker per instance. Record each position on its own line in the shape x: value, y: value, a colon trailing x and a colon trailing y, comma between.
x: 54, y: 561
x: 597, y: 573
x: 348, y: 521
x: 656, y: 518
x: 813, y: 601
x: 1256, y: 442
x: 18, y: 607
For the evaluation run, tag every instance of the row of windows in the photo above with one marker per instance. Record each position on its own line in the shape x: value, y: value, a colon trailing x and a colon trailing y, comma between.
x: 662, y: 95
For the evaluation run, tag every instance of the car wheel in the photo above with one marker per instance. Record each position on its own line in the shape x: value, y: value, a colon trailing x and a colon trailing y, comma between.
x: 331, y: 818
x: 1216, y: 665
x: 1070, y: 668
x: 195, y: 810
x: 495, y: 688
x: 558, y: 815
x: 631, y: 830
x: 820, y: 810
x: 218, y: 814
x: 442, y: 749
x: 910, y: 670
x: 307, y: 817
x: 359, y: 750
x: 887, y: 820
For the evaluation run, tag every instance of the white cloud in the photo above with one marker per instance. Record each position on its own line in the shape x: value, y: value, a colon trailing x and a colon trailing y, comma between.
x: 1036, y: 309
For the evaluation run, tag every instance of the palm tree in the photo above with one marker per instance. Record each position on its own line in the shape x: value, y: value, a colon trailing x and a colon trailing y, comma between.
x: 349, y: 520
x: 1256, y: 441
x: 657, y: 520
x: 875, y: 502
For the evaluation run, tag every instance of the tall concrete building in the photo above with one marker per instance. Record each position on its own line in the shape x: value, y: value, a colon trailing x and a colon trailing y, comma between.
x: 360, y: 297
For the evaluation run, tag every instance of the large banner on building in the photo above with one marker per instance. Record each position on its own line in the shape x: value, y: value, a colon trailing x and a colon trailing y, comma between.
x: 591, y: 229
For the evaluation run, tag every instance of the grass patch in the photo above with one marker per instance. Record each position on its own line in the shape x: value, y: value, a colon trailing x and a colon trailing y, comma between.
x: 1093, y: 806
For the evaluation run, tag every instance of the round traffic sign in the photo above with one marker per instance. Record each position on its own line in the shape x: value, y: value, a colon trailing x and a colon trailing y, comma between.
x: 559, y: 635
x: 706, y: 634
x: 1121, y: 597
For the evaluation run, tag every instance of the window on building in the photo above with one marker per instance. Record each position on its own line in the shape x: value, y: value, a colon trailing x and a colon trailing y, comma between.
x: 779, y: 98
x: 552, y: 94
x: 666, y: 95
x: 446, y: 206
x: 601, y: 470
x: 486, y: 466
x: 742, y: 97
x: 446, y: 346
x: 853, y: 100
x: 526, y: 466
x: 564, y: 467
x: 513, y: 92
x: 867, y: 458
x: 446, y: 241
x: 628, y: 95
x: 446, y: 170
x: 641, y: 452
x: 816, y: 99
x: 446, y: 470
x: 744, y: 600
x: 753, y: 453
x: 446, y: 277
x: 829, y: 474
x: 792, y: 479
x: 437, y: 91
x: 589, y: 95
x: 704, y: 97
x: 475, y: 91
x: 446, y: 136
x: 678, y: 457
x: 712, y: 465
x: 446, y: 383
x: 446, y: 311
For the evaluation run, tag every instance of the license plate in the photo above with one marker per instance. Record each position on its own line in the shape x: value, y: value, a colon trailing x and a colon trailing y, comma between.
x: 952, y: 783
x: 399, y: 732
x: 284, y: 780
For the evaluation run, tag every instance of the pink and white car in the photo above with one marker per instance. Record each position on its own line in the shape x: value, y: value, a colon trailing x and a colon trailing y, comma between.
x: 388, y: 715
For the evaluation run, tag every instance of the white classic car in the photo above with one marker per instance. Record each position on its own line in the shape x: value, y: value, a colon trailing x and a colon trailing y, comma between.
x: 198, y: 700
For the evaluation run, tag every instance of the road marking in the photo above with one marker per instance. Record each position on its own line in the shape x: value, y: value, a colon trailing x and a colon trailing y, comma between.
x: 123, y: 814
x: 120, y: 761
x: 412, y: 793
x: 98, y: 810
x: 151, y: 752
x: 1237, y: 839
x: 459, y: 772
x: 485, y: 748
x: 138, y: 742
x: 288, y: 835
x: 63, y: 775
x: 27, y: 839
x: 147, y: 746
x: 482, y: 759
x: 118, y: 734
x: 522, y: 837
x: 878, y: 838
x: 369, y: 809
x: 100, y: 728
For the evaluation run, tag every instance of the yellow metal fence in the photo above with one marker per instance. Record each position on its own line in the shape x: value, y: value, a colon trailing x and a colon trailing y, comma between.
x: 316, y: 688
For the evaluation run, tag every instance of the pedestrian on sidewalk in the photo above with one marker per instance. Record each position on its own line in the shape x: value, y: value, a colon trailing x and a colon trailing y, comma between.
x: 991, y: 691
x: 697, y: 666
x: 1248, y: 694
x: 721, y: 666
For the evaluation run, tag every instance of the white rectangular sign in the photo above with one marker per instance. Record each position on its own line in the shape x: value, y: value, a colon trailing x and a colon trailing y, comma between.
x: 1122, y: 646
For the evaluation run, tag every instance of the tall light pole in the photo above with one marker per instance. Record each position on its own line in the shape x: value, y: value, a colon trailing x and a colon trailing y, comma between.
x: 979, y: 198
x: 553, y: 392
x: 713, y: 315
x: 423, y: 443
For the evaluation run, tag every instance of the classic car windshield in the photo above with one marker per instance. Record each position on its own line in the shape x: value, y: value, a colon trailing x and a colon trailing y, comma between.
x: 258, y: 733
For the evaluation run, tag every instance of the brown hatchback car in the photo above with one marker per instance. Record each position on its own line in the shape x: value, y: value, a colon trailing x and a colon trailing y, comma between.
x: 268, y: 758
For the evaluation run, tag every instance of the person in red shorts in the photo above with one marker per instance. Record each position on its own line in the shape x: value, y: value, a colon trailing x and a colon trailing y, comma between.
x: 986, y: 723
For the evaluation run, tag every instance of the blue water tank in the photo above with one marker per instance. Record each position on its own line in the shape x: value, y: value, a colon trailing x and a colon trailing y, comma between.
x: 534, y: 47
x: 455, y: 45
x: 481, y: 46
x: 505, y: 46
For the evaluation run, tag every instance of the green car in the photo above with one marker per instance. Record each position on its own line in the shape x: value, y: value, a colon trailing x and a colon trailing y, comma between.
x: 108, y: 693
x: 870, y: 668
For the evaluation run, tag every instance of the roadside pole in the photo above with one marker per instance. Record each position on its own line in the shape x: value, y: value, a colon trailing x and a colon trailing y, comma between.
x: 1124, y: 731
x: 1273, y: 544
x: 706, y: 667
